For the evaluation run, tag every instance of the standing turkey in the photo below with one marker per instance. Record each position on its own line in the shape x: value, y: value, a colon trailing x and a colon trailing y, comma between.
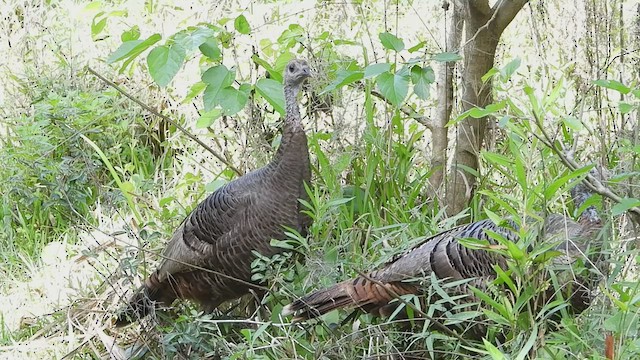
x: 208, y: 259
x: 445, y: 257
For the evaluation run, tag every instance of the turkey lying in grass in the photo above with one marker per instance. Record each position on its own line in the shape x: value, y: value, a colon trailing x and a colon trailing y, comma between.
x: 208, y: 259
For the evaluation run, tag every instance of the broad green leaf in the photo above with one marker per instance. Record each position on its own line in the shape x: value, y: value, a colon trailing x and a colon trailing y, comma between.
x: 93, y: 6
x: 123, y: 50
x: 272, y: 73
x: 625, y: 107
x: 131, y: 34
x: 507, y: 71
x: 393, y: 87
x: 195, y: 90
x: 613, y: 85
x: 271, y: 91
x: 215, y: 185
x: 344, y: 77
x: 242, y: 25
x: 624, y: 205
x: 447, y: 57
x: 376, y: 69
x: 218, y: 75
x: 97, y: 27
x: 200, y: 36
x: 210, y: 49
x: 282, y: 60
x: 493, y: 71
x: 216, y: 78
x: 208, y: 118
x: 422, y: 78
x: 131, y: 49
x: 572, y: 123
x: 292, y: 35
x: 417, y: 46
x: 232, y: 100
x: 391, y: 42
x: 164, y: 62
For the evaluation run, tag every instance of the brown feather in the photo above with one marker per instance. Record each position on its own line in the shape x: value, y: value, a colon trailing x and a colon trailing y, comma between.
x: 209, y: 257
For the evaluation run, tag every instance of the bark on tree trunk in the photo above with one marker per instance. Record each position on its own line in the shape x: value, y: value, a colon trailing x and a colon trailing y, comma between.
x: 483, y: 27
x: 440, y: 138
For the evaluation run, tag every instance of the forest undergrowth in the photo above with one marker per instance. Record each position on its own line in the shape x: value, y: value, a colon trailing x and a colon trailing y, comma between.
x: 94, y: 184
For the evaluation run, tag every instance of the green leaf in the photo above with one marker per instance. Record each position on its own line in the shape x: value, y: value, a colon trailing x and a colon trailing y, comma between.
x: 131, y: 34
x: 232, y: 100
x: 271, y: 91
x: 417, y: 46
x: 376, y: 69
x: 447, y: 57
x: 131, y: 49
x: 507, y: 71
x: 344, y: 77
x: 572, y: 123
x: 210, y: 49
x: 164, y: 62
x: 497, y: 159
x: 199, y: 37
x: 422, y: 78
x: 123, y: 50
x: 208, y: 118
x: 216, y: 78
x: 195, y: 90
x: 218, y: 75
x: 393, y: 87
x: 625, y: 107
x: 552, y: 188
x: 624, y: 205
x: 242, y: 25
x: 215, y: 185
x: 97, y: 27
x: 272, y: 72
x: 613, y: 85
x: 495, y: 353
x: 391, y: 42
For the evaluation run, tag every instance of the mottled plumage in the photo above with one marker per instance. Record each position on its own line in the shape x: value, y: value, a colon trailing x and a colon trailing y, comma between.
x: 445, y: 257
x: 238, y: 218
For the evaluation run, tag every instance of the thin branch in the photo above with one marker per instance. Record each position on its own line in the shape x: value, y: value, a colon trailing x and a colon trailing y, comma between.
x: 166, y: 118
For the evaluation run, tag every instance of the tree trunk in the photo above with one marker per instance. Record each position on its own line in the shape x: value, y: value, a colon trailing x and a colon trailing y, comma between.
x: 483, y: 27
x: 439, y: 135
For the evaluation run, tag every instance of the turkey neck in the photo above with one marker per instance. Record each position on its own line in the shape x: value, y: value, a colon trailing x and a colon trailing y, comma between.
x: 293, y: 145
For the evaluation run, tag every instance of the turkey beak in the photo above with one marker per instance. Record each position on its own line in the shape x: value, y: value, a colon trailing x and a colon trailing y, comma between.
x: 307, y: 72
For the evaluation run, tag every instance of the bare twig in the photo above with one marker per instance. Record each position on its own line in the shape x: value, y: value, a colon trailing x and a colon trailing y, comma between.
x: 166, y: 118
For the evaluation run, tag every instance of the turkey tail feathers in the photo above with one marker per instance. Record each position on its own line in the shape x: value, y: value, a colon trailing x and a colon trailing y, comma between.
x: 321, y: 302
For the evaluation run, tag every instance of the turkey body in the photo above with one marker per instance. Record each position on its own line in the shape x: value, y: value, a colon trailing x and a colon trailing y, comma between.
x: 444, y: 256
x: 208, y: 259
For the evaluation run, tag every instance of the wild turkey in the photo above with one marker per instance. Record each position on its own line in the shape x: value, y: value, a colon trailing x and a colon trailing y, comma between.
x: 209, y: 257
x: 445, y: 257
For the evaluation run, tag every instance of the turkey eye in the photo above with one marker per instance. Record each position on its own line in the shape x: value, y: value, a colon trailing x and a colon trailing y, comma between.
x: 291, y: 68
